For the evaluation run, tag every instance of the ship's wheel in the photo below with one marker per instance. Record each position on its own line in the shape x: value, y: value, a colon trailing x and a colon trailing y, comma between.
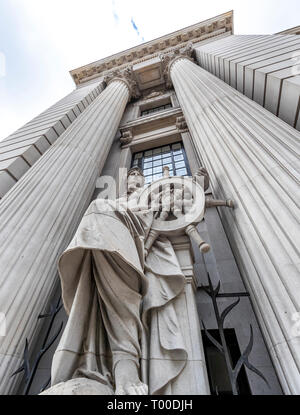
x: 179, y: 205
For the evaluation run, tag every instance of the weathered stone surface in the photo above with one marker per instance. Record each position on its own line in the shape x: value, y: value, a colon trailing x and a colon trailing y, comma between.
x: 255, y: 155
x: 6, y: 182
x: 257, y: 66
x: 289, y: 100
x: 44, y: 129
x: 16, y: 167
x: 110, y: 336
x: 79, y: 386
x: 39, y: 216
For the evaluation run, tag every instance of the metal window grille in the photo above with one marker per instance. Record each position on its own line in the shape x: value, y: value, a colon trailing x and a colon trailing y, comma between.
x: 151, y: 162
x: 156, y: 109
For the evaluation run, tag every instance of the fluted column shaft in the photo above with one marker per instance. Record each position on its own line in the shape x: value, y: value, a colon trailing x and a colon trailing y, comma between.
x: 251, y: 157
x: 39, y: 216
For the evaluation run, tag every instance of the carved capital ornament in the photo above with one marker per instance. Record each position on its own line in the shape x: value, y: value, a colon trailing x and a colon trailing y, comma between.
x: 169, y: 59
x: 181, y: 124
x: 126, y: 137
x: 126, y: 76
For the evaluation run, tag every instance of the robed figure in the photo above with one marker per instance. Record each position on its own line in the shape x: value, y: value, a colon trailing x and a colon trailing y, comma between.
x: 122, y: 330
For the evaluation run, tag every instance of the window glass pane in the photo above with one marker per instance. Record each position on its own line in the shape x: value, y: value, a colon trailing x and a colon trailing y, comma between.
x: 157, y: 169
x: 156, y: 109
x: 165, y: 149
x: 179, y: 164
x: 170, y: 166
x: 181, y: 172
x: 157, y: 163
x: 176, y: 146
x: 153, y: 160
x: 179, y: 157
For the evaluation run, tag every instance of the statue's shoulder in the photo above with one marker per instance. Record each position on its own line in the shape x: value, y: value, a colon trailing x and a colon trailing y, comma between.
x: 98, y: 205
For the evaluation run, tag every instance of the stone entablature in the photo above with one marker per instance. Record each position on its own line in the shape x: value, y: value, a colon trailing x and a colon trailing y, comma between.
x: 169, y: 113
x: 126, y: 76
x: 153, y: 130
x: 195, y: 33
x: 148, y: 101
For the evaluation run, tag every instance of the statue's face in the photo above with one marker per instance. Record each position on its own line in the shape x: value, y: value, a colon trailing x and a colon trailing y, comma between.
x: 135, y: 180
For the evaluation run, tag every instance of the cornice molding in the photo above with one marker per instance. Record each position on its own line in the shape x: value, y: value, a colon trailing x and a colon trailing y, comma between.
x: 148, y: 119
x: 215, y: 26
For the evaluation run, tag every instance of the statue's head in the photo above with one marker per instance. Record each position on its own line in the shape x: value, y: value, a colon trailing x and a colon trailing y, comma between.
x: 135, y: 179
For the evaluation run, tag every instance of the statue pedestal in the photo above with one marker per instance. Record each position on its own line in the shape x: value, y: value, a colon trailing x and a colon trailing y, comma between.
x: 193, y: 380
x: 79, y: 386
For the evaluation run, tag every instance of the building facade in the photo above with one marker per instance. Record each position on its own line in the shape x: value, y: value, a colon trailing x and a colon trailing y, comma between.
x: 198, y: 97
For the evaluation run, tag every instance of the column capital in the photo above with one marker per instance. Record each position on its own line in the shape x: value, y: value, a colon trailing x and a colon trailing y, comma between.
x: 169, y: 59
x: 126, y: 76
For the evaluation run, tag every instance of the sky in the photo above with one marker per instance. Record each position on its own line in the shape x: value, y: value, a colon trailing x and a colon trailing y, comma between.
x: 42, y: 40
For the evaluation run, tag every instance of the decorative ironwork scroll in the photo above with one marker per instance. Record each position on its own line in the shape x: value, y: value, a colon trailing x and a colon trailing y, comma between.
x: 30, y: 370
x: 233, y: 372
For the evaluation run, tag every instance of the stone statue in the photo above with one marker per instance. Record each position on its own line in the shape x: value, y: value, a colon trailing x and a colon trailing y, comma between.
x: 123, y: 334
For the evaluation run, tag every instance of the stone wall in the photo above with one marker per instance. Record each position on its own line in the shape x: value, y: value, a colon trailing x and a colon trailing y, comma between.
x: 23, y: 148
x: 263, y: 67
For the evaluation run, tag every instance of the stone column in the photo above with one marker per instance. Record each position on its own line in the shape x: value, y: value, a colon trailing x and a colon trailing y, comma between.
x: 251, y: 156
x: 194, y: 379
x: 39, y: 216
